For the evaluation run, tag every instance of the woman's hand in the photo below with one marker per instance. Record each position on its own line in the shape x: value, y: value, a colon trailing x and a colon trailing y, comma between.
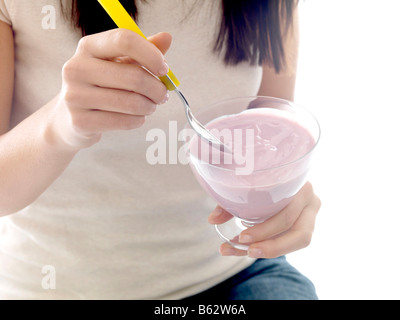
x: 287, y: 231
x: 105, y: 86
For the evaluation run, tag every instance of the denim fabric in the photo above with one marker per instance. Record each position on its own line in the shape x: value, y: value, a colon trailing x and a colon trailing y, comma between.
x: 266, y: 279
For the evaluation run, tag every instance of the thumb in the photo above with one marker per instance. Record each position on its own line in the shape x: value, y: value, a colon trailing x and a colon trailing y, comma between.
x: 162, y: 41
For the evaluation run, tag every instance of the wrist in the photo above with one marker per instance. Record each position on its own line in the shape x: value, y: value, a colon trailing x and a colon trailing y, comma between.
x: 53, y: 130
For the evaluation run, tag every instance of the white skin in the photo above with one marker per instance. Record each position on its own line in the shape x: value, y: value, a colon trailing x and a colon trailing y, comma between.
x: 105, y: 89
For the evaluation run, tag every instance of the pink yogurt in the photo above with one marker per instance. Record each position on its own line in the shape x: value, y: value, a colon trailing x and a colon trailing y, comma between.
x: 268, y: 166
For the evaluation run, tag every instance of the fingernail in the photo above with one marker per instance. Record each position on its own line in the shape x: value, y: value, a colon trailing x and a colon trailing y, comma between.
x: 255, y: 253
x: 164, y: 70
x: 217, y: 212
x: 166, y: 99
x: 227, y: 251
x: 245, y: 238
x: 214, y: 216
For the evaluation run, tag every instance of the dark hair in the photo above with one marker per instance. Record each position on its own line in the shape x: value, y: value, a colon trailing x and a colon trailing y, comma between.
x: 251, y: 30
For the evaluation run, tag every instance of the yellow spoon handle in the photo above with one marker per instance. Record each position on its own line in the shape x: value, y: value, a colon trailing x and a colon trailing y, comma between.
x: 123, y: 20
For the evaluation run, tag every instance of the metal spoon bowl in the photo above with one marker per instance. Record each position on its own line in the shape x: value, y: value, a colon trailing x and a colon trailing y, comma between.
x: 195, y: 124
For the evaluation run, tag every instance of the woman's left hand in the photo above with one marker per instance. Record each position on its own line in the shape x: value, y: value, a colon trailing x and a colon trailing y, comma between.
x: 289, y: 230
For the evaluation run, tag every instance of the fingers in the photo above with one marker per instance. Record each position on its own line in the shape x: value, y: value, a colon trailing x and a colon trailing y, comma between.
x: 128, y: 77
x: 298, y: 237
x: 123, y: 42
x: 109, y: 74
x: 280, y: 222
x: 162, y: 41
x: 295, y: 239
x: 98, y: 110
x: 112, y: 100
x: 228, y: 250
x: 288, y: 231
x: 219, y: 216
x: 109, y: 84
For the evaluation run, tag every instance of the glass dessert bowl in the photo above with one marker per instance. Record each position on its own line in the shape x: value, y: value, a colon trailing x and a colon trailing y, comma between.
x: 271, y: 142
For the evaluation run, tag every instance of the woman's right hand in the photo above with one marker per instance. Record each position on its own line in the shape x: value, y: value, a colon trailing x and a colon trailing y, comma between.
x: 105, y: 86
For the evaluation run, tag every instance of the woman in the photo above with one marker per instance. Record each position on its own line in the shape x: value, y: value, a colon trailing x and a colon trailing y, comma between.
x: 84, y: 214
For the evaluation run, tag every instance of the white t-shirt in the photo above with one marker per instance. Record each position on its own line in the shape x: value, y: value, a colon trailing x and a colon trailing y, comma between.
x: 114, y: 226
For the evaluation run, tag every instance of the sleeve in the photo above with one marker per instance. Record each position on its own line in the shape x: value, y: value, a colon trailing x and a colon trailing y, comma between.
x: 4, y: 14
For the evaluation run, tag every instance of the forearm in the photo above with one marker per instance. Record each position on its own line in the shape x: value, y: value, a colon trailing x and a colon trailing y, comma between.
x: 282, y: 84
x: 30, y: 161
x: 279, y: 86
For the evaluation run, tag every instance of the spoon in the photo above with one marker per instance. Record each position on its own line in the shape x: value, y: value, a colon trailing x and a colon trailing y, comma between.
x: 196, y: 125
x: 123, y: 20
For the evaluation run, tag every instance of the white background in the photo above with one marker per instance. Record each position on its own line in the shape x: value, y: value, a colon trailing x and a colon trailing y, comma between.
x: 349, y: 69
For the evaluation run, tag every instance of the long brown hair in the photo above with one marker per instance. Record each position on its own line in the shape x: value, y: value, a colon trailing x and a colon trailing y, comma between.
x: 251, y: 30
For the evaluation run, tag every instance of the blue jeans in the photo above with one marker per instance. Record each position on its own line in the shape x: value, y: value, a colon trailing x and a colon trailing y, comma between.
x: 266, y: 279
